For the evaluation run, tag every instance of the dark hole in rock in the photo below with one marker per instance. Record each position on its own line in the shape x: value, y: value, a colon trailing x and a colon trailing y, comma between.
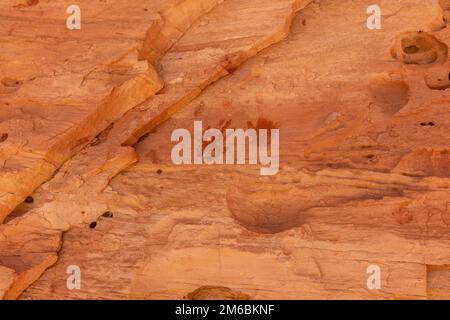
x: 3, y: 137
x: 107, y: 214
x: 431, y: 124
x: 159, y: 171
x: 10, y: 82
x: 29, y: 199
x: 92, y: 225
x: 411, y: 49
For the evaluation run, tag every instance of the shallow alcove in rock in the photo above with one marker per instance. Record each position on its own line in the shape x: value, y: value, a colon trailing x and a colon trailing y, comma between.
x: 418, y: 47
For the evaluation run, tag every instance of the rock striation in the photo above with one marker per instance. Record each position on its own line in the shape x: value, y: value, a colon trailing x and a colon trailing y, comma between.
x: 88, y: 180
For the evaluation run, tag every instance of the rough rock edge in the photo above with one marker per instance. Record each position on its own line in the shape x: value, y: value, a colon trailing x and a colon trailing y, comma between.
x: 111, y: 108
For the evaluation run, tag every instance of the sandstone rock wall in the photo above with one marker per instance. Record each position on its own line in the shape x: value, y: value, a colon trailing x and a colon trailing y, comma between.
x: 364, y: 151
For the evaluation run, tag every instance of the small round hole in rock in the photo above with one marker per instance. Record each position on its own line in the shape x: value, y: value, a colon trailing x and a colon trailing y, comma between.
x: 29, y: 199
x: 3, y: 137
x: 159, y: 171
x: 107, y: 214
x: 92, y: 225
x: 431, y: 124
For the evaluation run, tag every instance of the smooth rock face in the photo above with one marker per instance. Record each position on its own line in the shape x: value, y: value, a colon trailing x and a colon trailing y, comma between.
x: 86, y: 145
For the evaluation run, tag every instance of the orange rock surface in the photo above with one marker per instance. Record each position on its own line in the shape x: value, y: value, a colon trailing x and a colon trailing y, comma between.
x: 87, y: 177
